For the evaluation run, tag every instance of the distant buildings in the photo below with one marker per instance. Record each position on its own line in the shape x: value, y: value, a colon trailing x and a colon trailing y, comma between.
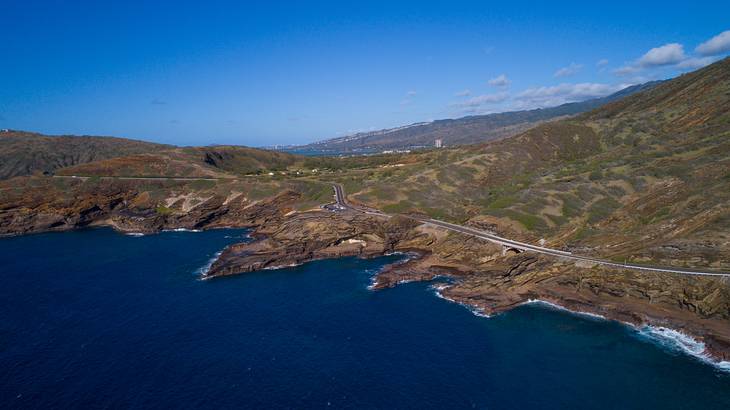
x: 438, y: 143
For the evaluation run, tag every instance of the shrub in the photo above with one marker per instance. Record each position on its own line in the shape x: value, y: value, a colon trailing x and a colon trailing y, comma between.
x: 601, y: 209
x: 163, y: 210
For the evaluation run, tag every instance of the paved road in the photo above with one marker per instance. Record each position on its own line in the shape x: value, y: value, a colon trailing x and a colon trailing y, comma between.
x: 341, y: 201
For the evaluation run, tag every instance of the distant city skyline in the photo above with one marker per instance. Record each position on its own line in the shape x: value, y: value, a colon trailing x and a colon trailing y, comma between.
x: 268, y: 74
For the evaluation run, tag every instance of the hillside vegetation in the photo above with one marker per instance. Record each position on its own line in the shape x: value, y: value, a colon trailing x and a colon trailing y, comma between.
x: 25, y: 153
x: 643, y: 178
x: 646, y: 177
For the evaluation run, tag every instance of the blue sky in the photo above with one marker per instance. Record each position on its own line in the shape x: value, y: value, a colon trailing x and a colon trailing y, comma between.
x: 265, y: 73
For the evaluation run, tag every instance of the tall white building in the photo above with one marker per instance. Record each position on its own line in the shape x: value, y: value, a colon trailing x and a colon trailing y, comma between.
x: 438, y: 143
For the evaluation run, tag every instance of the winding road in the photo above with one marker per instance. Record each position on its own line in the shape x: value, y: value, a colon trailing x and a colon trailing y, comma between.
x: 341, y: 201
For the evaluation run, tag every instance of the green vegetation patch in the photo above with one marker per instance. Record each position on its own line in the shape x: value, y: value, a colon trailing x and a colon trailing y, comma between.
x: 572, y: 205
x: 583, y: 233
x: 601, y: 209
x: 660, y: 214
x: 400, y: 207
x: 530, y: 222
x: 163, y: 210
x: 502, y: 202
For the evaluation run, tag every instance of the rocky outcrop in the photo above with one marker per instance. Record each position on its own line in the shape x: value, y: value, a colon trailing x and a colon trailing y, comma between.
x: 315, y: 235
x: 481, y: 277
x: 123, y: 207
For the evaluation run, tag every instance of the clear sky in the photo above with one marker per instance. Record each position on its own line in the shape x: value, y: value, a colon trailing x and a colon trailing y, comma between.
x: 265, y: 72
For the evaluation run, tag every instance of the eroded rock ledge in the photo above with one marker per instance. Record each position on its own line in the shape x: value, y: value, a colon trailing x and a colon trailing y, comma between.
x: 122, y: 207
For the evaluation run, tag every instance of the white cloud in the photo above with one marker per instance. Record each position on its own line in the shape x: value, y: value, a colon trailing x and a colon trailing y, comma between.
x: 484, y: 99
x: 668, y: 54
x: 573, y: 68
x: 671, y: 53
x: 564, y: 93
x: 602, y: 62
x: 697, y: 62
x: 716, y: 45
x: 464, y: 93
x: 499, y: 81
x: 627, y: 70
x: 411, y: 93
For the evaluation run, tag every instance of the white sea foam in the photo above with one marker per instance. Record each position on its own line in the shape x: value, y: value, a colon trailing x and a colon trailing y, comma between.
x: 374, y: 272
x: 182, y: 230
x: 437, y: 288
x: 665, y: 337
x: 275, y: 267
x: 203, y: 270
x: 678, y: 341
x: 242, y: 236
x: 563, y: 308
x: 135, y: 234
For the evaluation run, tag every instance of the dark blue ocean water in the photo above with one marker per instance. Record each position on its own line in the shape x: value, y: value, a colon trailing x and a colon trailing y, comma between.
x: 94, y: 319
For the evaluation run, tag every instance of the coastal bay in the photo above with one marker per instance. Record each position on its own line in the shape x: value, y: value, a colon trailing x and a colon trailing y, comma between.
x: 129, y: 316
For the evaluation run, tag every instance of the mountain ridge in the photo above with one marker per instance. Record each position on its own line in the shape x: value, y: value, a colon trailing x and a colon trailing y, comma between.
x: 466, y: 130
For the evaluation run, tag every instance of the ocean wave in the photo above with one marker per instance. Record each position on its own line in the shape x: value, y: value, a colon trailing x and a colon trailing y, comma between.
x: 373, y: 275
x: 182, y: 230
x: 663, y: 336
x: 563, y: 308
x: 203, y: 270
x: 476, y: 311
x: 242, y: 236
x: 374, y: 272
x: 135, y: 234
x: 275, y: 267
x: 681, y: 342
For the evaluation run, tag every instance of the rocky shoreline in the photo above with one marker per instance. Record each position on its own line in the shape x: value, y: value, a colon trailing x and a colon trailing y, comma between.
x: 482, y: 278
x: 494, y: 283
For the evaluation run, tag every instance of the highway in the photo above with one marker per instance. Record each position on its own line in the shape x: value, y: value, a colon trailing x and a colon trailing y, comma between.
x: 341, y: 201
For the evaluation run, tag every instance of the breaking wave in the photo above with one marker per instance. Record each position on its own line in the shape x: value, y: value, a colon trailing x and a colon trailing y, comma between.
x: 203, y: 270
x: 663, y: 336
x: 678, y: 341
x: 563, y: 308
x: 476, y: 311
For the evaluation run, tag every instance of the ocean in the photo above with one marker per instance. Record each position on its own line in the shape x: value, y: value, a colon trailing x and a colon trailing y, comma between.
x: 98, y: 319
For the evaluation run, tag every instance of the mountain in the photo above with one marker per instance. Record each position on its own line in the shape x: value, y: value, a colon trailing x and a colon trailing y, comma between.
x: 26, y: 153
x: 646, y: 176
x: 462, y: 131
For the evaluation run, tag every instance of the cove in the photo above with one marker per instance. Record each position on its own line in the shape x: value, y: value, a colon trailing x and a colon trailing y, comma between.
x: 94, y: 318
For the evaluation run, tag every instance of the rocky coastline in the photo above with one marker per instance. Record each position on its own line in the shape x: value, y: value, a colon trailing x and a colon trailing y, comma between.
x: 480, y: 276
x: 494, y: 283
